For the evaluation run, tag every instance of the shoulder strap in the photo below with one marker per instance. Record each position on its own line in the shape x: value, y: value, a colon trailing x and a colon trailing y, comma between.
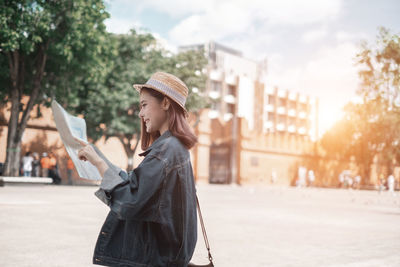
x: 204, y: 230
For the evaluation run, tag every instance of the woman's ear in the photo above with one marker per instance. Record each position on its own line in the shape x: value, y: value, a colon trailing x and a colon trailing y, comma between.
x: 165, y: 104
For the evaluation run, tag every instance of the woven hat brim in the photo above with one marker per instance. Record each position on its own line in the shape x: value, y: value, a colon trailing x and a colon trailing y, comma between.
x: 138, y: 87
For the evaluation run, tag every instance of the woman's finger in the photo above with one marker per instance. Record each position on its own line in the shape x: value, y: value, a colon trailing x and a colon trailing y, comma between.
x: 81, y: 156
x: 81, y: 142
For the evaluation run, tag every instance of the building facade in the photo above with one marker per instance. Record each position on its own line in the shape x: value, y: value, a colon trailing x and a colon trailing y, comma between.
x: 243, y: 107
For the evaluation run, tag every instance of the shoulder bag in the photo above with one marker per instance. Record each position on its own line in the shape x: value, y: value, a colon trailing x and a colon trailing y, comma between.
x: 205, y: 240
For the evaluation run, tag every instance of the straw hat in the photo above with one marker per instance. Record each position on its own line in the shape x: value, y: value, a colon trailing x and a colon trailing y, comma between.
x: 169, y: 85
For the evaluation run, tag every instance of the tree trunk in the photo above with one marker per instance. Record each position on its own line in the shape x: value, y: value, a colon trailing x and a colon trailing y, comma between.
x: 11, y: 166
x: 130, y: 162
x: 16, y: 125
x: 126, y: 143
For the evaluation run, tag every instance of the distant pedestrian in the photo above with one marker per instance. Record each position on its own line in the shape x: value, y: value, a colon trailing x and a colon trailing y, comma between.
x: 70, y: 168
x: 311, y: 178
x: 381, y: 183
x: 390, y: 182
x: 27, y: 164
x: 45, y: 165
x: 35, y: 165
x: 349, y: 182
x: 53, y: 169
x: 274, y: 176
x: 357, y: 182
x: 302, y: 175
x: 341, y: 180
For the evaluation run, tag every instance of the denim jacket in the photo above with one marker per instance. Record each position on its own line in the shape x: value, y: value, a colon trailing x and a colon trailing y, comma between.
x: 152, y: 219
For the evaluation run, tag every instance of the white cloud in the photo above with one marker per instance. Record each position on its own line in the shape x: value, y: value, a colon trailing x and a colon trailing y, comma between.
x: 121, y: 26
x: 173, y: 8
x: 220, y: 19
x: 297, y: 12
x: 280, y: 12
x: 227, y: 19
x: 165, y: 43
x: 314, y: 35
x: 343, y: 36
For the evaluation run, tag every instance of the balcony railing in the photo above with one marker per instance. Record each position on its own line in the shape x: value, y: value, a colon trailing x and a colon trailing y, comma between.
x: 292, y: 129
x: 292, y: 112
x: 281, y: 110
x: 280, y: 127
x: 230, y: 99
x: 269, y: 108
x: 214, y: 94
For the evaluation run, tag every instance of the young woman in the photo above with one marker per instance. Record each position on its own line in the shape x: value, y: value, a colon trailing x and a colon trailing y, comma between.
x: 152, y: 219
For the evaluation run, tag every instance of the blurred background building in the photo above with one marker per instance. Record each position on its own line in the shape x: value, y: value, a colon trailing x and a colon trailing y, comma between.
x: 284, y: 124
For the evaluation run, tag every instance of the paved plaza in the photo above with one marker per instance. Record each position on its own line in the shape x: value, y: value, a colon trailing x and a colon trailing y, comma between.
x: 249, y: 226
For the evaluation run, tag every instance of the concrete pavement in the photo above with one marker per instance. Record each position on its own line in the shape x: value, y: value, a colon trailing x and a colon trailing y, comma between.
x: 47, y: 225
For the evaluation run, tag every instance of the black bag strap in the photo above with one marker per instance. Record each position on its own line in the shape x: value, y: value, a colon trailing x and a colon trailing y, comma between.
x: 204, y: 231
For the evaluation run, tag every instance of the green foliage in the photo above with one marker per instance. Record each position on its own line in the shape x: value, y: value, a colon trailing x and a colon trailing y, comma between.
x: 71, y: 34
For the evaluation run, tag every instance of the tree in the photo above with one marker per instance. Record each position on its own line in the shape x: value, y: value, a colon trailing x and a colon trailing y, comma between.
x: 380, y: 89
x: 113, y: 110
x: 48, y: 49
x: 370, y: 128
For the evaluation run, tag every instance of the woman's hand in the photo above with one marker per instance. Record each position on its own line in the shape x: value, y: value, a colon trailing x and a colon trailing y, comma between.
x: 87, y: 153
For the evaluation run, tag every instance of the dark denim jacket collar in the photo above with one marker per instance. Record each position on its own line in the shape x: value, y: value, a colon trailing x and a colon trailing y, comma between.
x: 166, y: 134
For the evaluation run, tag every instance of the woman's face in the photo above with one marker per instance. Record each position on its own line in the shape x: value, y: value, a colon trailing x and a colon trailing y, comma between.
x: 152, y: 112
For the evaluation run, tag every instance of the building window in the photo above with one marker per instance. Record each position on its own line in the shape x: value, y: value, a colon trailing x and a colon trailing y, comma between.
x: 232, y: 90
x: 215, y: 105
x: 216, y: 86
x: 282, y: 119
x: 231, y: 108
x: 271, y: 116
x: 302, y: 123
x: 292, y: 105
x: 303, y: 107
x: 282, y: 102
x: 271, y: 100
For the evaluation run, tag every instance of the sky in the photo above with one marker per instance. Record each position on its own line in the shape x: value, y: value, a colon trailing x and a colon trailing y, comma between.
x: 310, y: 45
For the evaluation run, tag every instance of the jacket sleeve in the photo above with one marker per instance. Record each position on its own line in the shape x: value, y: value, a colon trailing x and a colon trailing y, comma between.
x: 136, y: 195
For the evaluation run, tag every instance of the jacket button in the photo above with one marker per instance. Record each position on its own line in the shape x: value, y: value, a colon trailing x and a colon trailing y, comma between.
x: 103, y: 233
x: 97, y: 259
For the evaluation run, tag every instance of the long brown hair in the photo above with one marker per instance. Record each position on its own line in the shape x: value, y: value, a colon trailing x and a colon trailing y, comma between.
x: 177, y: 124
